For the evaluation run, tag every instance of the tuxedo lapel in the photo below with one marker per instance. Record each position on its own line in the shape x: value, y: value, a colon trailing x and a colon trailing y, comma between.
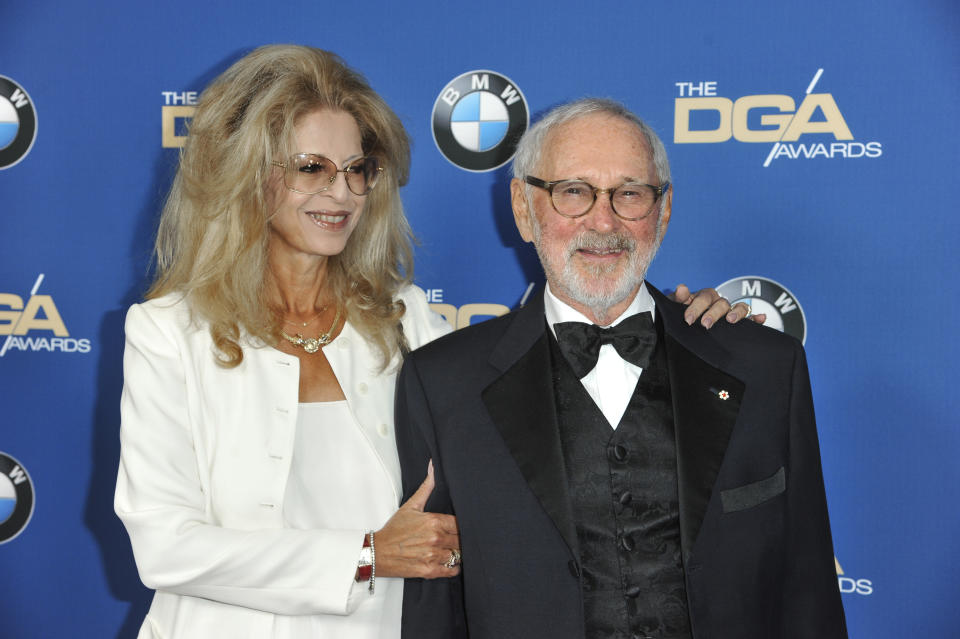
x: 521, y: 404
x: 706, y: 402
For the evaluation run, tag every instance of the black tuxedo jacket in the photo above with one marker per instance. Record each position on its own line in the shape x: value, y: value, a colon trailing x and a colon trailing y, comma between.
x: 755, y: 536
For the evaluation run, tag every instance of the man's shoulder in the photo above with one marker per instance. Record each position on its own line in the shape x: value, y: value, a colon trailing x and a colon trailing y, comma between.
x: 749, y: 339
x: 745, y: 340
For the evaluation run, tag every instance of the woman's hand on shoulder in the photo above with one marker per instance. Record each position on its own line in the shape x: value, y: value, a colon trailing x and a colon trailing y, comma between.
x: 709, y: 306
x: 414, y: 543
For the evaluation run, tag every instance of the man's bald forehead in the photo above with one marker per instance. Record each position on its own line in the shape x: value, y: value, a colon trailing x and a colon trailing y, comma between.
x: 533, y: 143
x: 594, y: 124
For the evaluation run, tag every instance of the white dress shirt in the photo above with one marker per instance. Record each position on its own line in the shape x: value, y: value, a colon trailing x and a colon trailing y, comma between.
x: 612, y: 381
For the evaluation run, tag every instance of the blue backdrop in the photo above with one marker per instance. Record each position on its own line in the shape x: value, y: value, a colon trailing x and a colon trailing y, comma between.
x: 813, y: 149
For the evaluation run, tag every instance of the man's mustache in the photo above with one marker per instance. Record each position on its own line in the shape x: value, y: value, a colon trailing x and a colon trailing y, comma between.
x: 594, y: 241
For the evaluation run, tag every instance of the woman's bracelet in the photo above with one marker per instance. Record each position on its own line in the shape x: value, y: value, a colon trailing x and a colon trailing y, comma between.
x: 373, y: 564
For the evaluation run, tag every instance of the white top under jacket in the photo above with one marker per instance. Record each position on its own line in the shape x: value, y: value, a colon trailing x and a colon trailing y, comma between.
x: 204, y: 462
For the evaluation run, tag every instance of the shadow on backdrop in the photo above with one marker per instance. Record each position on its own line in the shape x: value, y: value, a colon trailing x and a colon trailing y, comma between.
x: 99, y: 517
x: 523, y: 252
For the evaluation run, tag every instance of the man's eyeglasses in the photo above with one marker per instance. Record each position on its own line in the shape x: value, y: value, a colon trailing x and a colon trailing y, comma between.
x: 574, y: 198
x: 309, y: 173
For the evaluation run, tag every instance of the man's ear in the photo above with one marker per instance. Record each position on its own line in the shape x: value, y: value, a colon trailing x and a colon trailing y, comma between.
x: 667, y: 207
x: 521, y: 210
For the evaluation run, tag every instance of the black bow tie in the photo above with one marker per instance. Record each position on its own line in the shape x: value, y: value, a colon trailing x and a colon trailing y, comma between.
x: 634, y: 338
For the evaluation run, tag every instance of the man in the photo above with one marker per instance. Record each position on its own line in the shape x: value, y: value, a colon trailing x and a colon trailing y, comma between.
x: 665, y: 485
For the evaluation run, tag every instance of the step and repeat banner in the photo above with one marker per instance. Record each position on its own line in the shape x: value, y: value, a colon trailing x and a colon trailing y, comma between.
x: 813, y: 149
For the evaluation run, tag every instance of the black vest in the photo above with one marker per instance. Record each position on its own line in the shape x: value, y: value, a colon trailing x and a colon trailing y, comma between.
x: 623, y: 491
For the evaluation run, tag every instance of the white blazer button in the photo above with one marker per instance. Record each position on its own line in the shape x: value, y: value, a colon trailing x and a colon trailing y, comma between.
x: 384, y: 430
x: 362, y: 387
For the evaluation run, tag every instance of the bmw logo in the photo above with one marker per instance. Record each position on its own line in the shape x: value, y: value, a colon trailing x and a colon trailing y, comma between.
x: 16, y: 498
x: 18, y: 123
x: 478, y: 119
x: 763, y: 295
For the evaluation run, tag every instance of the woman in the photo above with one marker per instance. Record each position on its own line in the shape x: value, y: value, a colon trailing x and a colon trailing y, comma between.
x: 258, y: 475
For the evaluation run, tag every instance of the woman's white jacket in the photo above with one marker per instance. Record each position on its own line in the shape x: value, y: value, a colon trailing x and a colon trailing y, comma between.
x: 205, y: 457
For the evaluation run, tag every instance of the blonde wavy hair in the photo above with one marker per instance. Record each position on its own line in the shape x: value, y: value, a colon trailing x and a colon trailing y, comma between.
x: 212, y: 238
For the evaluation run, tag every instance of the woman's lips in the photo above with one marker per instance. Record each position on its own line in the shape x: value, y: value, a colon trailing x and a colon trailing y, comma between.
x: 330, y: 220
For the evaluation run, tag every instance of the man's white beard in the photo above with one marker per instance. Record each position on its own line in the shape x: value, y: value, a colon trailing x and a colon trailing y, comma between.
x: 579, y: 282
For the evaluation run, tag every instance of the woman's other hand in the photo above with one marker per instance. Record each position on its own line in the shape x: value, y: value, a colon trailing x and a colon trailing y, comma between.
x: 709, y: 307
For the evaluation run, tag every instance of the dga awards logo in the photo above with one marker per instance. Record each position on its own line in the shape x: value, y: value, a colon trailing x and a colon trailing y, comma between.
x: 16, y: 498
x: 763, y: 295
x: 459, y: 317
x: 27, y: 326
x: 478, y: 119
x: 178, y: 108
x: 852, y: 585
x: 814, y: 129
x: 18, y: 123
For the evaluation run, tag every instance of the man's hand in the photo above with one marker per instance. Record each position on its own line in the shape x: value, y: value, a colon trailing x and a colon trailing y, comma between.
x: 709, y: 307
x: 417, y: 544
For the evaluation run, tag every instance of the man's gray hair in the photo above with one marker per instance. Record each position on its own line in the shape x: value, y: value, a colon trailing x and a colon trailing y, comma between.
x: 530, y: 147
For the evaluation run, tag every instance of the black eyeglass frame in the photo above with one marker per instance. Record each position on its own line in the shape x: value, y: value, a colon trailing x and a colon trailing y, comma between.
x: 549, y: 186
x: 370, y: 182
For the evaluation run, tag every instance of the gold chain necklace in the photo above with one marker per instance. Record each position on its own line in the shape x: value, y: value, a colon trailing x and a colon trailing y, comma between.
x: 311, y: 321
x: 313, y: 344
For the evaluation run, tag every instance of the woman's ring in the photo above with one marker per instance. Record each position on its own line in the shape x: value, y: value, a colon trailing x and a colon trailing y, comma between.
x: 454, y: 560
